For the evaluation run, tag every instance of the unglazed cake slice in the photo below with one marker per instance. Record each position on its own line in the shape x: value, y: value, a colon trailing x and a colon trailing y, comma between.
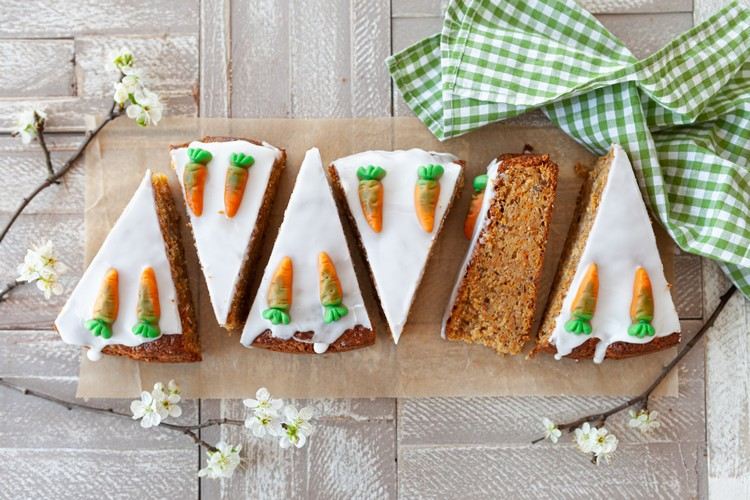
x: 610, y: 297
x: 134, y: 298
x: 228, y: 185
x: 494, y: 300
x: 309, y: 299
x: 397, y: 202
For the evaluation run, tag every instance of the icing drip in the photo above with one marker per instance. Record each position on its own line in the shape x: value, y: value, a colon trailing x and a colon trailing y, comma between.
x: 488, y: 186
x: 134, y: 242
x: 397, y: 255
x: 311, y: 229
x: 620, y: 241
x: 221, y: 240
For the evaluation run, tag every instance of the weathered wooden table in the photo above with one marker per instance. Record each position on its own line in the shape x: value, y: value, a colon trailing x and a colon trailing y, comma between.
x: 313, y: 58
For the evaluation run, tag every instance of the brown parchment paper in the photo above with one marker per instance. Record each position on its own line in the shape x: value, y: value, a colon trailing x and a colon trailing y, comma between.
x: 422, y: 364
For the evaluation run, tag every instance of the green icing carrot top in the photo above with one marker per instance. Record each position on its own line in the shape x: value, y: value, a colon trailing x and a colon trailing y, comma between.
x: 584, y: 303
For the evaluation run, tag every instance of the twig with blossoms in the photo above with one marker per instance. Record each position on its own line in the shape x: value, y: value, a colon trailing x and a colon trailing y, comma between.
x: 597, y: 440
x: 131, y: 97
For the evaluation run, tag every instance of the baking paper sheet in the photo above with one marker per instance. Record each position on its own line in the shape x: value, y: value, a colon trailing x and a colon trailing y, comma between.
x: 422, y: 364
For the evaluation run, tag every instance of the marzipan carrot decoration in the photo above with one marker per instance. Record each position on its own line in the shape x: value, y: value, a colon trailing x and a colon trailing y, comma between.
x: 148, y: 311
x: 371, y: 195
x: 480, y: 183
x: 584, y: 303
x: 235, y: 182
x: 194, y: 178
x: 331, y: 296
x: 280, y: 294
x: 426, y: 194
x: 642, y: 306
x: 106, y: 306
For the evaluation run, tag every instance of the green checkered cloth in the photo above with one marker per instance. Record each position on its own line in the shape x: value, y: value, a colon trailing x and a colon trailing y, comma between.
x: 682, y: 114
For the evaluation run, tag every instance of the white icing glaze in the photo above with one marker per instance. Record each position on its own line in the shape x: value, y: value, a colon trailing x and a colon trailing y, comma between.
x: 481, y: 223
x: 397, y: 255
x: 311, y: 225
x: 135, y: 242
x: 222, y: 242
x: 621, y: 240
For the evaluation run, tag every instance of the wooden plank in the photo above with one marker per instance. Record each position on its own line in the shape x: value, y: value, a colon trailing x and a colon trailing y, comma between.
x: 215, y: 58
x: 370, y: 45
x: 644, y: 34
x: 38, y: 354
x: 169, y: 63
x: 421, y: 8
x: 84, y: 474
x: 260, y: 59
x: 706, y: 8
x: 653, y: 470
x: 688, y: 286
x: 351, y: 455
x: 26, y: 308
x: 36, y: 68
x: 68, y: 114
x: 45, y: 19
x: 727, y: 391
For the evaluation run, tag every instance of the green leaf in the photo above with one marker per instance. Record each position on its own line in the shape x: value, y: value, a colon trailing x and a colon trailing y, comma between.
x: 146, y: 329
x: 430, y: 172
x: 198, y: 155
x: 334, y: 313
x: 370, y: 173
x: 578, y: 326
x: 99, y: 328
x: 241, y: 160
x: 480, y: 183
x: 641, y: 329
x: 276, y: 316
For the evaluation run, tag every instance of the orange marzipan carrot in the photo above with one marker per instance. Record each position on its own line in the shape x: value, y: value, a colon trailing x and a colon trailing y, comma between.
x: 279, y: 296
x: 480, y: 183
x: 370, y: 191
x: 426, y: 195
x: 584, y: 303
x: 106, y: 307
x: 642, y: 306
x: 331, y: 294
x: 148, y: 310
x: 194, y: 178
x: 235, y: 182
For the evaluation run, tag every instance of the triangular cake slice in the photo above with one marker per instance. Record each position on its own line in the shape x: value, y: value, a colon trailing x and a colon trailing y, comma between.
x: 494, y: 299
x: 309, y: 299
x: 228, y: 186
x: 134, y: 298
x: 610, y: 297
x: 397, y: 202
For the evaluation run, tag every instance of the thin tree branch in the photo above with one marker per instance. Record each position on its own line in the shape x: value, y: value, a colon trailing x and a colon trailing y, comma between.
x: 8, y: 288
x: 114, y: 112
x: 45, y: 149
x: 642, y: 398
x: 188, y: 430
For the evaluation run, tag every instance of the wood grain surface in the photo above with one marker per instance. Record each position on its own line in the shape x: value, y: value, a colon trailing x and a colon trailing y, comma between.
x: 314, y: 58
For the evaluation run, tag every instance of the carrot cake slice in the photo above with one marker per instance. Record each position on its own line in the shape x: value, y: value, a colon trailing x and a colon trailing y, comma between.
x: 610, y: 297
x: 228, y: 185
x: 397, y: 202
x: 494, y: 300
x: 134, y: 299
x: 309, y: 299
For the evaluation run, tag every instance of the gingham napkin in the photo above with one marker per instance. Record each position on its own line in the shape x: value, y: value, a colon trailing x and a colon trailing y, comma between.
x: 682, y: 114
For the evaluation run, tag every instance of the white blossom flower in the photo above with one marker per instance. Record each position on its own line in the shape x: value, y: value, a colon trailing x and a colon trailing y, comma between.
x: 173, y: 388
x: 42, y: 266
x: 222, y: 462
x: 644, y: 420
x: 264, y: 403
x: 146, y: 410
x: 551, y: 431
x: 166, y: 401
x: 264, y: 424
x: 119, y: 60
x: 28, y: 123
x: 297, y: 427
x: 585, y: 437
x: 606, y: 444
x: 145, y: 108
